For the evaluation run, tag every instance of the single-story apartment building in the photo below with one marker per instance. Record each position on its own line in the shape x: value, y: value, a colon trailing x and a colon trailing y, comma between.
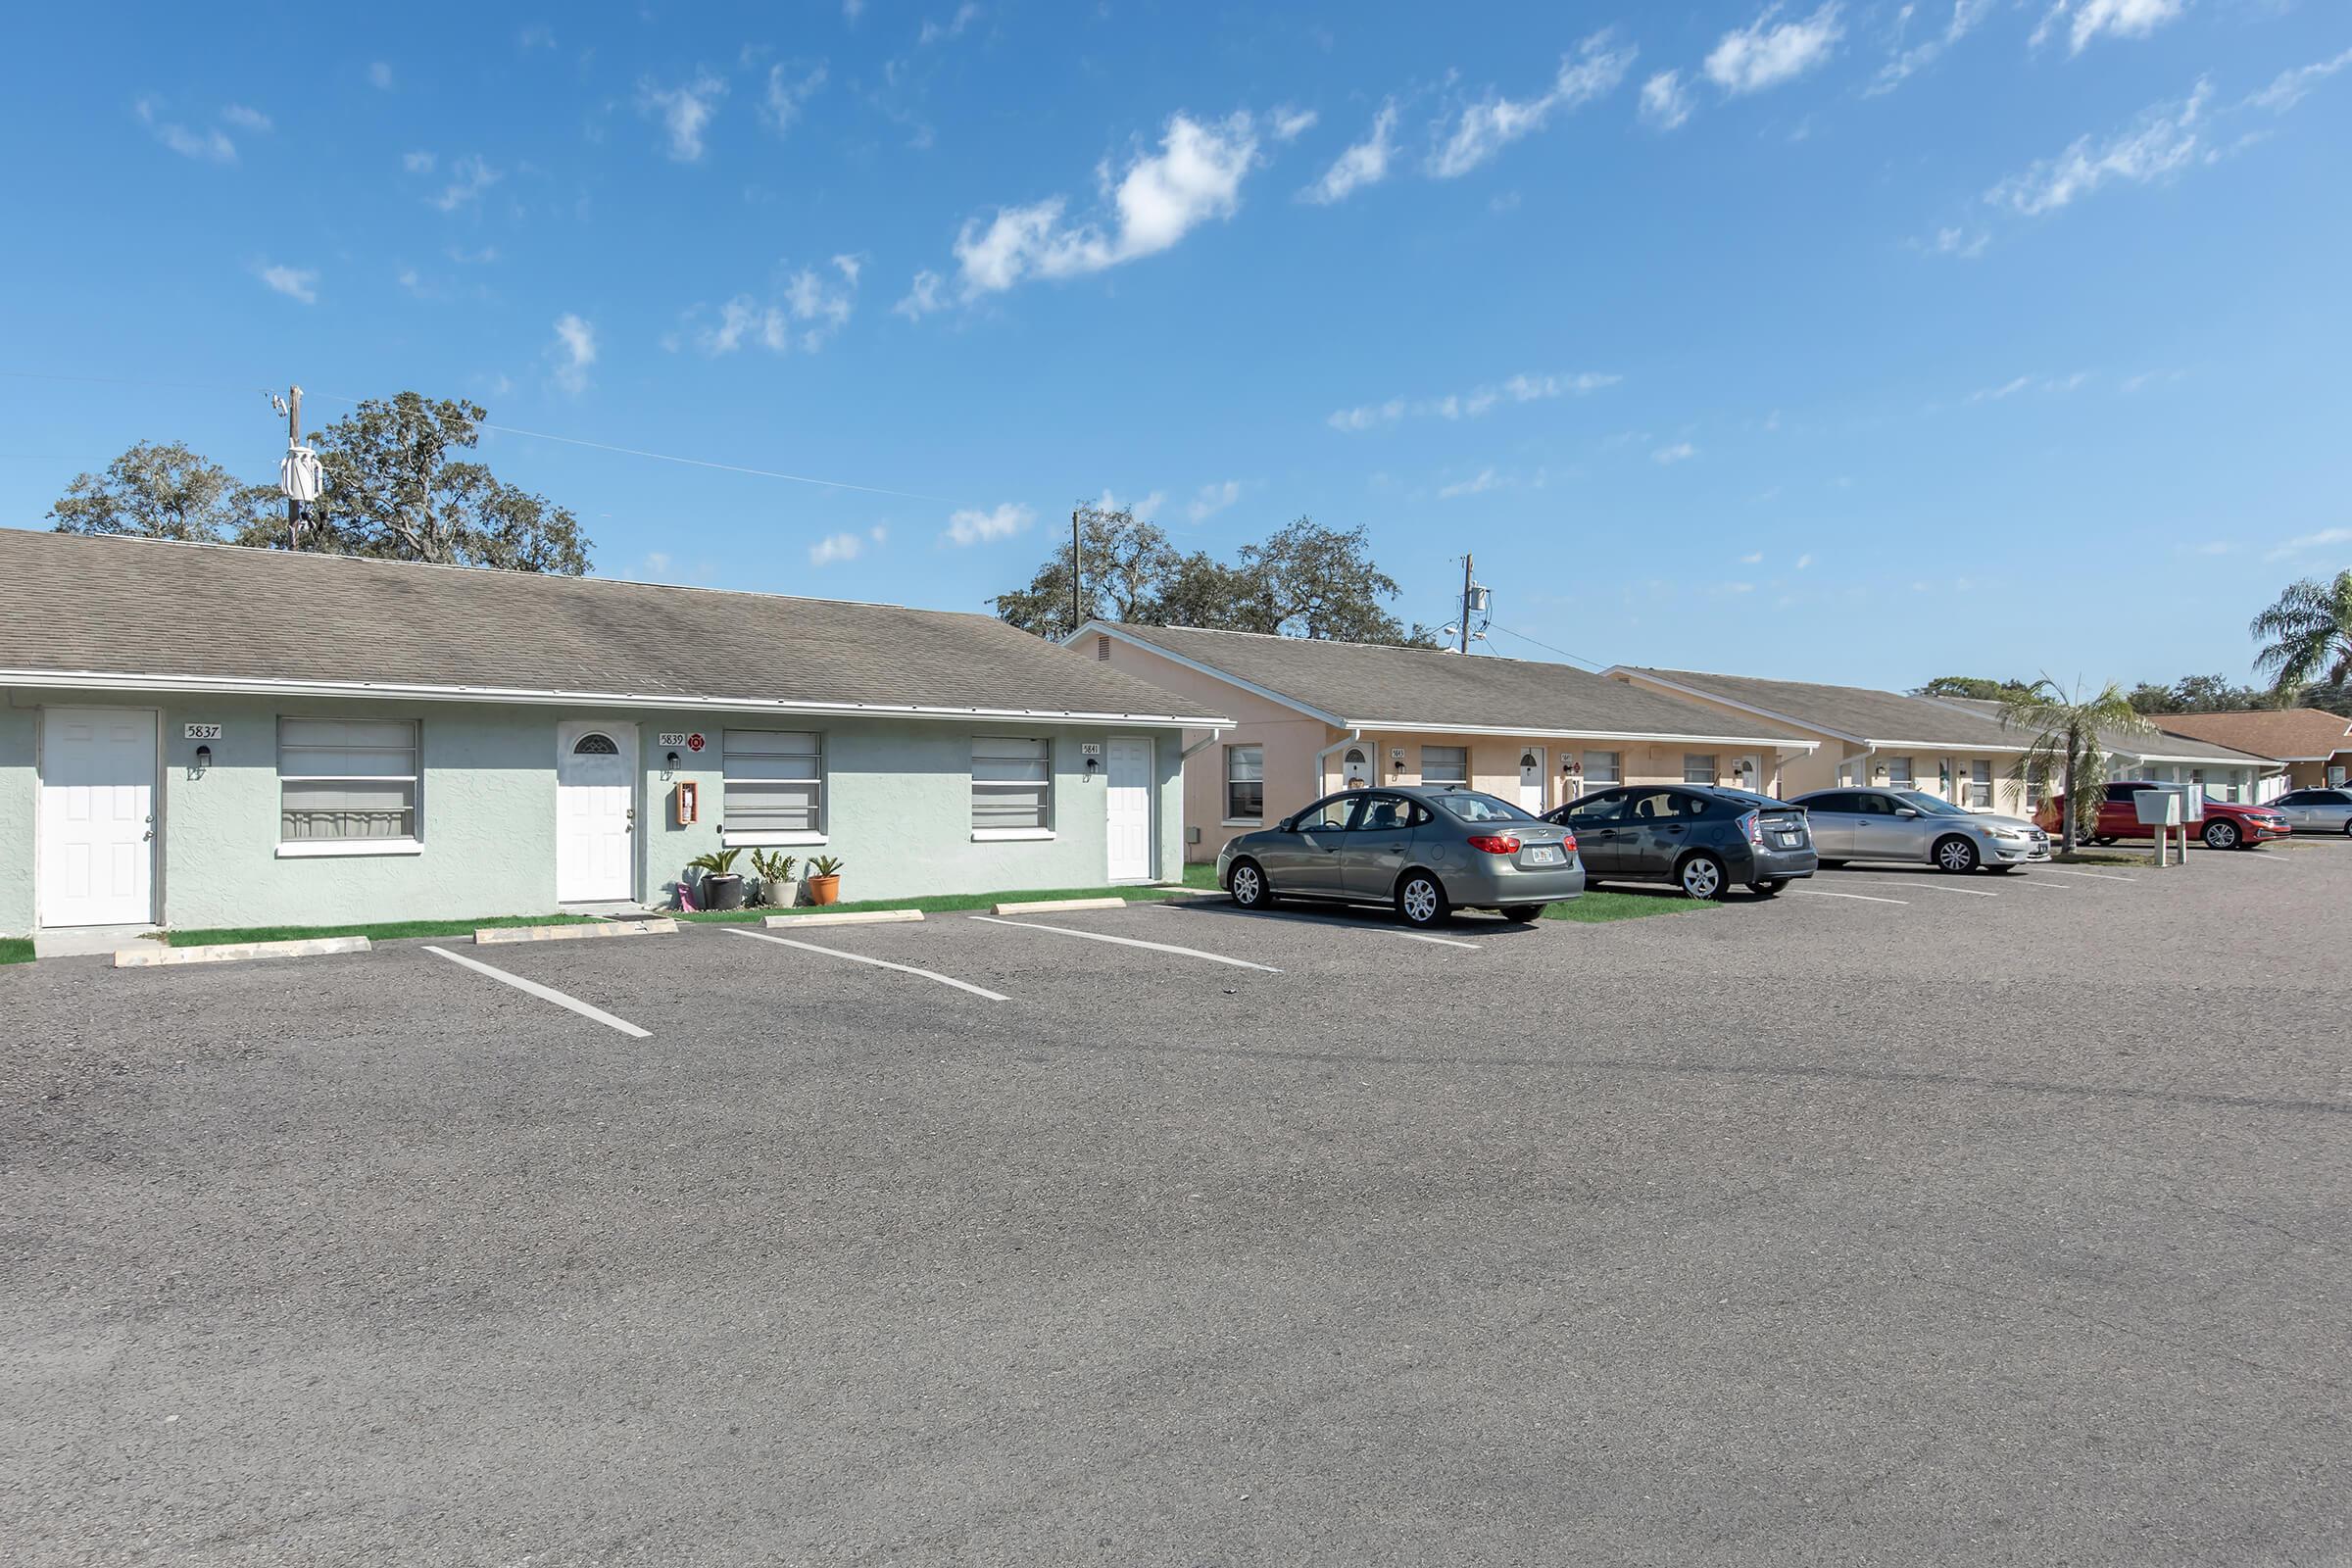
x: 202, y: 735
x: 1311, y: 717
x: 2163, y: 757
x: 1956, y: 749
x: 2311, y: 746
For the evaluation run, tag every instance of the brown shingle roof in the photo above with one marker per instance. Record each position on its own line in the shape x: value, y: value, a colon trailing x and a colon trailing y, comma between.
x: 1861, y: 712
x: 2284, y: 735
x: 198, y: 613
x: 2160, y: 745
x: 1417, y: 688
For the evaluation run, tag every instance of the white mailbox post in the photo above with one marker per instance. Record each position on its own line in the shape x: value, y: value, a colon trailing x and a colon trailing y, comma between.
x: 2165, y: 810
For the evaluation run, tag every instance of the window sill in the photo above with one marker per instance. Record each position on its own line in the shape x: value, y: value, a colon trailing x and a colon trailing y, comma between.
x: 766, y: 840
x: 1243, y: 821
x: 1010, y: 835
x: 331, y: 849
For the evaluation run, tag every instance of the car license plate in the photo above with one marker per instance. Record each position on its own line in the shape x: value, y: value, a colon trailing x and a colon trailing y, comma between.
x: 1790, y: 841
x: 1544, y: 855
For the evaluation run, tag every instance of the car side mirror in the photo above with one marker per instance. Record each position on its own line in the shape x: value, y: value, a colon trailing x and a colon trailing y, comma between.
x: 1906, y: 811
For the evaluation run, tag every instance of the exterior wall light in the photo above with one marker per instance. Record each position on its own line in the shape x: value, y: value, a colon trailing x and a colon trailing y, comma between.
x: 203, y: 758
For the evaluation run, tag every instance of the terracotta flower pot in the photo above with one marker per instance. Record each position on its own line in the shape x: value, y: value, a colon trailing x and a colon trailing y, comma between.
x: 825, y: 889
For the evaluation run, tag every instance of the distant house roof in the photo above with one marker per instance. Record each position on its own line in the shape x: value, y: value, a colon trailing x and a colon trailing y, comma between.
x: 1377, y: 686
x: 2284, y: 735
x: 2159, y: 747
x: 1862, y: 714
x: 141, y: 614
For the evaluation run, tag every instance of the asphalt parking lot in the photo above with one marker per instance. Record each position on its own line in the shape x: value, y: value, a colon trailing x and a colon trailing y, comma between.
x: 1900, y: 1218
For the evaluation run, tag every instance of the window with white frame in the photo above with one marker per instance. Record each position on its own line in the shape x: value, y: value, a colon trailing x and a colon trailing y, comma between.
x: 1244, y: 783
x: 1898, y: 773
x: 346, y: 780
x: 1980, y: 784
x: 1445, y: 764
x: 1603, y: 768
x: 2038, y: 784
x: 1698, y: 767
x: 775, y: 783
x: 1013, y: 785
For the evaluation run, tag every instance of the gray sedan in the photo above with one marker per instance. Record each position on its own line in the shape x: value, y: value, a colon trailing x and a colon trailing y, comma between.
x: 2317, y: 810
x: 1426, y: 850
x: 1915, y: 827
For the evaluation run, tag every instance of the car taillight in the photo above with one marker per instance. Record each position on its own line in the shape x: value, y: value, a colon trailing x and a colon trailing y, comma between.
x: 1752, y: 824
x: 1567, y: 844
x: 1496, y: 843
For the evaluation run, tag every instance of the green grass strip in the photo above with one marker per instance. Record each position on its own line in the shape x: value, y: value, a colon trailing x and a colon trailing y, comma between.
x: 379, y: 931
x: 16, y: 950
x: 1595, y: 908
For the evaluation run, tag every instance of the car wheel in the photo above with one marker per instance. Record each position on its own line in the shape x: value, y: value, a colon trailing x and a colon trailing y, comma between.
x: 1247, y: 885
x: 1523, y: 913
x: 2348, y: 827
x: 1700, y: 876
x: 2221, y: 834
x: 1767, y: 887
x: 1421, y: 899
x: 1955, y: 853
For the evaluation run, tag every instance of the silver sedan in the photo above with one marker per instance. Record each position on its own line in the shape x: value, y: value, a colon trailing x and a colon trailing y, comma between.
x: 2317, y: 810
x: 1914, y: 826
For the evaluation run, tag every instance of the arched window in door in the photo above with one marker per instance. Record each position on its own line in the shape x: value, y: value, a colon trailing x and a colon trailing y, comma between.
x: 595, y: 746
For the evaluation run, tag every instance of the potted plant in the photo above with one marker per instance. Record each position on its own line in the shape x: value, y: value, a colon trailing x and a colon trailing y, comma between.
x: 824, y: 880
x: 722, y: 888
x: 779, y: 889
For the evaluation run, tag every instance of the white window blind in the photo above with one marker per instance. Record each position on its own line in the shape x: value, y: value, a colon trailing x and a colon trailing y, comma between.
x: 776, y: 781
x: 1898, y: 773
x: 346, y: 779
x: 1698, y: 767
x: 1445, y: 764
x: 1012, y: 784
x: 1244, y: 783
x: 1603, y: 768
x: 1979, y: 785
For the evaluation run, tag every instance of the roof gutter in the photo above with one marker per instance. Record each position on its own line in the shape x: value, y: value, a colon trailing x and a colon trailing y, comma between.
x: 210, y: 685
x: 1517, y: 732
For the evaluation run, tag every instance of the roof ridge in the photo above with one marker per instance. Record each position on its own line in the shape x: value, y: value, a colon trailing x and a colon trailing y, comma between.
x: 1340, y: 642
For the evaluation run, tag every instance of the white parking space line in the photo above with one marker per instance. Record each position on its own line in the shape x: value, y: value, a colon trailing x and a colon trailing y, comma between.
x: 1129, y: 941
x: 545, y: 994
x: 2041, y: 887
x: 1937, y: 887
x: 1410, y: 936
x: 1816, y: 893
x: 879, y: 964
x: 2103, y: 876
x: 1442, y: 941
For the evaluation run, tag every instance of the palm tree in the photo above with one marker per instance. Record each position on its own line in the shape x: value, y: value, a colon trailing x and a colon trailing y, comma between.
x: 2067, y: 745
x: 2309, y: 630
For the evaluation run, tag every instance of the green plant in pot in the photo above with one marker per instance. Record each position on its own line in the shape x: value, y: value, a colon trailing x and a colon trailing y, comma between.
x: 779, y: 889
x: 824, y: 880
x: 722, y: 888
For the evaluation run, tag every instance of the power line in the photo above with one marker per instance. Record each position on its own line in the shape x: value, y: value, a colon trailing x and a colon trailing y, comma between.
x: 1540, y: 643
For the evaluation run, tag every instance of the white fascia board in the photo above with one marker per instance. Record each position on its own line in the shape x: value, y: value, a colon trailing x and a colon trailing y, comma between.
x: 1100, y: 629
x: 221, y: 686
x: 1516, y: 733
x: 1642, y: 677
x: 1954, y: 747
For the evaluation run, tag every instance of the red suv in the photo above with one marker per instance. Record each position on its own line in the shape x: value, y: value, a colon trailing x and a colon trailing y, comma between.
x: 2226, y: 825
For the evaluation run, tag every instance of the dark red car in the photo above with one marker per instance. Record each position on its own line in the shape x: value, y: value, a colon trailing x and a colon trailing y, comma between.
x: 2226, y: 825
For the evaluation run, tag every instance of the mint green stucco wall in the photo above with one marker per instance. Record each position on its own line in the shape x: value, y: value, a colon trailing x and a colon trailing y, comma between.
x: 898, y: 812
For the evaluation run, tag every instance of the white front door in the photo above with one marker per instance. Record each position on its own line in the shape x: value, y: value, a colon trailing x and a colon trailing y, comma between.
x: 1748, y: 772
x: 595, y: 809
x: 1531, y: 779
x: 1127, y: 808
x: 97, y: 816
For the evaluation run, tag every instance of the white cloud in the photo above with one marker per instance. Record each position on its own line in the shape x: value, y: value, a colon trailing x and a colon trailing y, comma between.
x: 1195, y: 177
x: 851, y: 9
x: 1763, y: 54
x: 2121, y: 19
x: 790, y: 87
x: 1966, y: 14
x: 1484, y: 129
x: 418, y: 163
x: 1680, y: 452
x: 379, y: 75
x: 1802, y: 561
x: 1754, y: 560
x: 811, y: 310
x: 1146, y: 509
x: 844, y: 546
x: 1664, y: 103
x: 1470, y: 404
x: 1959, y: 243
x: 2165, y: 138
x: 1364, y: 164
x: 2029, y: 383
x: 1478, y: 485
x: 973, y: 527
x: 1213, y: 499
x: 1289, y: 123
x: 937, y: 31
x: 924, y: 297
x: 538, y: 35
x: 685, y: 112
x: 294, y: 282
x: 2325, y: 539
x: 573, y: 351
x: 2292, y: 85
x: 211, y: 145
x: 246, y: 118
x: 470, y: 177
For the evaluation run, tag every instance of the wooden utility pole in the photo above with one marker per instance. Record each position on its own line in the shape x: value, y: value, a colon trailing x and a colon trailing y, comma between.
x: 293, y: 440
x: 1464, y: 627
x: 1077, y: 575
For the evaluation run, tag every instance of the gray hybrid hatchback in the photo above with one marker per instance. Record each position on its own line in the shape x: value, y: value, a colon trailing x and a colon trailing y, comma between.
x: 1425, y: 849
x: 1700, y: 837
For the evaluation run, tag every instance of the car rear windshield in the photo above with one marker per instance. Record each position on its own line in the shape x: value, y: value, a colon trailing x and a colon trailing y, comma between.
x: 1472, y: 807
x: 1750, y: 801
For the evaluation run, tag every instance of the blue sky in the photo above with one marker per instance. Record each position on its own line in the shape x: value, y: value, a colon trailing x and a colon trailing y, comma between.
x: 1855, y: 341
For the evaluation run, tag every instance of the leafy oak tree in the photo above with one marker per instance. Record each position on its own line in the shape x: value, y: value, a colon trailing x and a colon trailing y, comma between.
x: 161, y: 490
